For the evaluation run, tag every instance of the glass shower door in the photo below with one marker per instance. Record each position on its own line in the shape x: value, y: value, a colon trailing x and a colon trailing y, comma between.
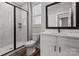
x: 6, y: 28
x: 21, y: 27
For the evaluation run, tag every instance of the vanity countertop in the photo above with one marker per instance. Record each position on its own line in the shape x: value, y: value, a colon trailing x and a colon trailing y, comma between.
x: 67, y: 35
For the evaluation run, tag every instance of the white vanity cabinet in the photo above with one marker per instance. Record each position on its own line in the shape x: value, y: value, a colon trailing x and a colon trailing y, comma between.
x: 48, y: 45
x: 56, y: 45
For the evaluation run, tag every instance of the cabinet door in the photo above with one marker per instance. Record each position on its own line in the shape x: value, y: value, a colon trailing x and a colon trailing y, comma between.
x: 48, y: 45
x: 68, y: 46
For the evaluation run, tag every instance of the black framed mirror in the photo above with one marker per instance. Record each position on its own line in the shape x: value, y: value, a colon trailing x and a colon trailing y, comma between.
x: 62, y: 15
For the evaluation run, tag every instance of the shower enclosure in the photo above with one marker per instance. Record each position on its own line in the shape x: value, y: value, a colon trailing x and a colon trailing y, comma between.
x: 13, y: 27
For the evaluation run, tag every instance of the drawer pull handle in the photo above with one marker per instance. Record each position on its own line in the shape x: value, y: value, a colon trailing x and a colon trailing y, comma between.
x: 55, y: 48
x: 59, y: 49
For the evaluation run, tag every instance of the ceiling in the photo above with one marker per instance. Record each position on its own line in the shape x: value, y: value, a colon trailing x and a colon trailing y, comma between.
x: 19, y: 3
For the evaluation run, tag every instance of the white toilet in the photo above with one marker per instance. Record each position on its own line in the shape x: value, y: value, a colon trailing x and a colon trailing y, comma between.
x: 31, y: 44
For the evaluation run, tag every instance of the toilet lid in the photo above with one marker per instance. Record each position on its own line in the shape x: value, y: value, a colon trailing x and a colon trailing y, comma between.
x: 30, y: 43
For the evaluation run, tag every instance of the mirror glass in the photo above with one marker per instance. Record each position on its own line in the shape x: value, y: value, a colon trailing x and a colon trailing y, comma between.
x: 61, y: 14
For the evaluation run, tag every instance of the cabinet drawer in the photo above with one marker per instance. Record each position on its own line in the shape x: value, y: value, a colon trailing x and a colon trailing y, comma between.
x: 48, y: 38
x: 68, y: 41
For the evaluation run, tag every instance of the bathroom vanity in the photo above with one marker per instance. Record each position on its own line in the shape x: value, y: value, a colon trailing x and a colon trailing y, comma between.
x: 61, y: 15
x: 59, y: 44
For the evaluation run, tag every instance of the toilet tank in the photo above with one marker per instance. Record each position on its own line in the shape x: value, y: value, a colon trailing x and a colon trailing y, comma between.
x: 35, y: 36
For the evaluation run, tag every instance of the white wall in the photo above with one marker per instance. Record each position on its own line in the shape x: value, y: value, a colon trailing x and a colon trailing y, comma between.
x: 53, y: 30
x: 29, y: 21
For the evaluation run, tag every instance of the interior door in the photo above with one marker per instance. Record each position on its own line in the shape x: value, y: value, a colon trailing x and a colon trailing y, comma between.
x: 21, y: 27
x: 68, y: 46
x: 6, y: 28
x: 48, y: 45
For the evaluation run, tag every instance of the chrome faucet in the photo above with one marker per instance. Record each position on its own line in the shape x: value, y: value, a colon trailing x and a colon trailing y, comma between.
x: 58, y: 30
